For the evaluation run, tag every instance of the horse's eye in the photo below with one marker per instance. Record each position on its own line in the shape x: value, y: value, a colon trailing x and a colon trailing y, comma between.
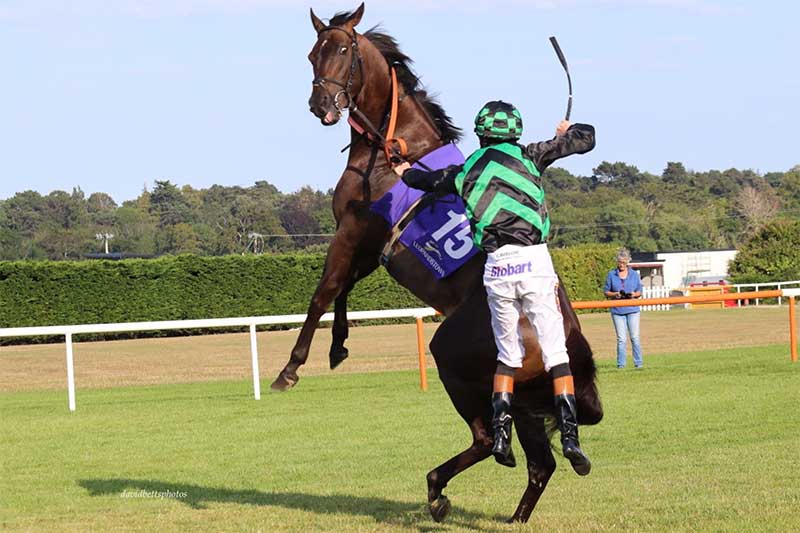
x: 342, y: 50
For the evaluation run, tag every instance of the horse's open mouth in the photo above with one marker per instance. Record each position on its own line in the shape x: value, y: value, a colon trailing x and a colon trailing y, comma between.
x: 330, y: 118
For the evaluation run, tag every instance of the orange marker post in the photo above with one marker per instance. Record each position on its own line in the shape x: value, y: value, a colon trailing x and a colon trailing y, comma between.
x: 423, y: 373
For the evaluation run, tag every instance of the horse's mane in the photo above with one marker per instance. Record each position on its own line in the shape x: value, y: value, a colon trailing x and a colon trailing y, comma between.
x: 388, y: 47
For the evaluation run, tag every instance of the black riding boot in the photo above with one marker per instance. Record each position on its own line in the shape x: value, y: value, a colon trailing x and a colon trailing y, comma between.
x: 501, y: 424
x: 568, y: 425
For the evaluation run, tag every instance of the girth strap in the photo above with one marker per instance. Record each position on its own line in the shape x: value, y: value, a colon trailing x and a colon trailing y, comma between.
x: 405, y: 219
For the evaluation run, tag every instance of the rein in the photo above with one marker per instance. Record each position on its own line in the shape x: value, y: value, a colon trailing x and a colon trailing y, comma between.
x: 393, y: 147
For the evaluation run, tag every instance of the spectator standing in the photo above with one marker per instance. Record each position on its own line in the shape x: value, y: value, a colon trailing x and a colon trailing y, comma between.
x: 624, y: 283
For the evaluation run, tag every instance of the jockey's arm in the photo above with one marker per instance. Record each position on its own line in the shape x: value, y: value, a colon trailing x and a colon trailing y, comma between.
x: 577, y: 139
x: 443, y: 181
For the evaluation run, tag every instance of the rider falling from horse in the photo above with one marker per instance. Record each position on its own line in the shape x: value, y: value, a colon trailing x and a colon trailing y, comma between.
x: 501, y: 185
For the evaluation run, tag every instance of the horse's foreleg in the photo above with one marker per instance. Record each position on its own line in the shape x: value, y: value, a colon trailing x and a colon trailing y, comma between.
x: 541, y: 463
x: 334, y: 279
x: 439, y: 504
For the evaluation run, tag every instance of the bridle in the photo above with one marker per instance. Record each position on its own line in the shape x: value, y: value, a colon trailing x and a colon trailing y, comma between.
x: 355, y: 62
x: 394, y: 148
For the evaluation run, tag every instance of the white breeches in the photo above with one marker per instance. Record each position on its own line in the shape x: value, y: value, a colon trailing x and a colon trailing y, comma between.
x: 522, y: 279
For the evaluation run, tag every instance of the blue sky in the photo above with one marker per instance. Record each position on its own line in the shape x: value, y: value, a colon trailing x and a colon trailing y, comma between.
x: 112, y: 95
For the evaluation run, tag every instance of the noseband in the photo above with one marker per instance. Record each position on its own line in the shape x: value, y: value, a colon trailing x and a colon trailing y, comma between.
x: 355, y: 62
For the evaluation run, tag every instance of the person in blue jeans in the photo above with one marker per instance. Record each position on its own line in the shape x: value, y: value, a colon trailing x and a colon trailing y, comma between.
x: 625, y: 283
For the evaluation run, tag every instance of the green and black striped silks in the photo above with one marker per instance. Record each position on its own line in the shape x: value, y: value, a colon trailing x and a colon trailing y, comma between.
x: 503, y: 197
x: 498, y: 120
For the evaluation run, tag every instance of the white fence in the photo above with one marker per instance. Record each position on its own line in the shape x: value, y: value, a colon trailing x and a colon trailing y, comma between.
x: 656, y: 292
x: 761, y: 286
x: 664, y: 292
x: 252, y: 322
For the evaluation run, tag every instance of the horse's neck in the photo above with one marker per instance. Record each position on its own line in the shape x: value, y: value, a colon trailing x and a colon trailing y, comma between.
x: 418, y: 129
x: 414, y: 126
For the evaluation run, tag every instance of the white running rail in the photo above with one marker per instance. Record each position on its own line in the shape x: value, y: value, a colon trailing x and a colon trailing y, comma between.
x: 252, y: 322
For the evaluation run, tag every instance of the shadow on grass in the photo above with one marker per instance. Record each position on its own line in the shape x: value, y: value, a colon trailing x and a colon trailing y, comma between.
x: 380, y: 509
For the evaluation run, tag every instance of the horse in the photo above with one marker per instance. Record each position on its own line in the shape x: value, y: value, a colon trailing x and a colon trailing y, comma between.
x: 390, y: 114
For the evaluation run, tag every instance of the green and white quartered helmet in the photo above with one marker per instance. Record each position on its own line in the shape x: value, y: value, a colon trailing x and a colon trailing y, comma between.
x: 498, y: 120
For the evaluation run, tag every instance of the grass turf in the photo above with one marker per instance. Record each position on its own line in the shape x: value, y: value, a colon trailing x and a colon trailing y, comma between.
x: 696, y: 441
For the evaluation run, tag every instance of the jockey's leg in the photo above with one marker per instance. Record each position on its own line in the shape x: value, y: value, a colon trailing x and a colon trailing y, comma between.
x: 567, y: 416
x: 501, y: 416
x: 540, y: 304
x: 505, y: 317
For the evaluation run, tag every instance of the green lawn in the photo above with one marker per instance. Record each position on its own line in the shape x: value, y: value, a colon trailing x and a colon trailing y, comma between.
x: 698, y: 441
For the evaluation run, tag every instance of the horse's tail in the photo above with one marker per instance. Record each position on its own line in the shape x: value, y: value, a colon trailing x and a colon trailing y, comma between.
x: 584, y: 372
x: 581, y: 363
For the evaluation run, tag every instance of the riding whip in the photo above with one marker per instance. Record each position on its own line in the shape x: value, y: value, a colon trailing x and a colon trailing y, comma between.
x: 563, y: 60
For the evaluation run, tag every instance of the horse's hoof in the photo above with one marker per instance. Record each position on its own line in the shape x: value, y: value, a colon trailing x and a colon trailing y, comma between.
x: 285, y: 381
x: 439, y: 508
x: 337, y: 355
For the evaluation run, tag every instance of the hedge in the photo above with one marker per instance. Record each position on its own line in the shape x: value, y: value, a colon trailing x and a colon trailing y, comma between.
x: 43, y: 293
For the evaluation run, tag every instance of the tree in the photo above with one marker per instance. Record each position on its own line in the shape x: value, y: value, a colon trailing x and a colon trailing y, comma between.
x: 10, y: 240
x: 771, y: 254
x: 626, y: 222
x: 675, y: 173
x: 756, y: 207
x: 617, y: 172
x: 168, y: 204
x: 64, y: 231
x: 184, y: 239
x: 134, y: 231
x: 573, y: 225
x: 555, y: 178
x: 24, y: 212
x: 100, y: 202
x: 788, y: 189
x: 101, y: 209
x: 66, y: 211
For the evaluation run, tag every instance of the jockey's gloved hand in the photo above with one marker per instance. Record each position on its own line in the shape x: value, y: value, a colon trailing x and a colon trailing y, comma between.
x: 414, y: 179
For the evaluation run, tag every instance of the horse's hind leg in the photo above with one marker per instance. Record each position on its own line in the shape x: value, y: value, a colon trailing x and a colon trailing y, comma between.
x: 481, y: 448
x: 541, y: 463
x: 340, y: 330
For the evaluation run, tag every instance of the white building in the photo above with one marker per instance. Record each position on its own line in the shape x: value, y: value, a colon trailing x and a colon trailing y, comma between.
x: 679, y: 269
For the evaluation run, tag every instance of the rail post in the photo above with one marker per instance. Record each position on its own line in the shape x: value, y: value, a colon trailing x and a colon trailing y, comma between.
x: 70, y: 374
x: 792, y: 329
x: 254, y: 357
x: 423, y: 372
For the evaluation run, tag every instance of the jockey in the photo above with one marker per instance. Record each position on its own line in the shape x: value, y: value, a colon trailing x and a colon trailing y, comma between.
x: 501, y: 185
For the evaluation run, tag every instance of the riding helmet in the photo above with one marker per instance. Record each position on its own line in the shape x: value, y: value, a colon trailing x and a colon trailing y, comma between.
x: 498, y: 120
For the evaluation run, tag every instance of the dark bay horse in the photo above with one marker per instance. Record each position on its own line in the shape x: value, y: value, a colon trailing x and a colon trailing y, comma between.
x: 354, y: 71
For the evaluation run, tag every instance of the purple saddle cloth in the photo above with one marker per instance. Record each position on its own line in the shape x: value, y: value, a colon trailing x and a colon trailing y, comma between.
x: 439, y: 235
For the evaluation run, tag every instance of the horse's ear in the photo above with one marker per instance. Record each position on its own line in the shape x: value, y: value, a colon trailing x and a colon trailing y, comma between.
x: 316, y: 22
x: 355, y: 18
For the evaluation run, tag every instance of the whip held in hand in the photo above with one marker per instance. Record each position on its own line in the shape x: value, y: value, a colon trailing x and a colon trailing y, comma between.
x: 563, y: 60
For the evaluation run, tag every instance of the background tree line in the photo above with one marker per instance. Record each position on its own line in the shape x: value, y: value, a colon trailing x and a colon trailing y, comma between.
x: 677, y: 210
